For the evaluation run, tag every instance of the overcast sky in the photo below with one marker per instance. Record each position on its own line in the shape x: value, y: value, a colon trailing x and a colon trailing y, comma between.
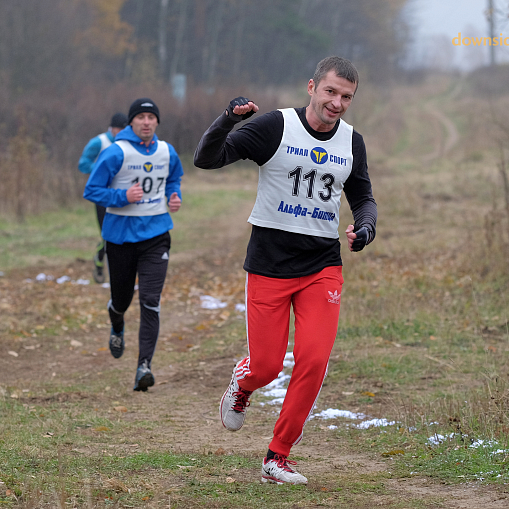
x: 437, y: 22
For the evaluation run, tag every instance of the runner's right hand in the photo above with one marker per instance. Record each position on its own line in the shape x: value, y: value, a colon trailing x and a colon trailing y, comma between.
x: 134, y: 193
x: 241, y: 108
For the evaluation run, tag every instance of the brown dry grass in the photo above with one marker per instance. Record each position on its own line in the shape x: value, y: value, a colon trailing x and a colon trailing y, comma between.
x: 423, y: 329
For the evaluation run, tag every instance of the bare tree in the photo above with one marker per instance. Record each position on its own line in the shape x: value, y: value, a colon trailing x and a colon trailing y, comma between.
x: 239, y: 37
x: 216, y: 27
x: 179, y: 37
x: 163, y: 17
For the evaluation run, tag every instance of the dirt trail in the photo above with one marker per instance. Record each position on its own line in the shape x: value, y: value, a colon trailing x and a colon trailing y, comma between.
x: 186, y: 395
x: 444, y: 145
x: 444, y: 142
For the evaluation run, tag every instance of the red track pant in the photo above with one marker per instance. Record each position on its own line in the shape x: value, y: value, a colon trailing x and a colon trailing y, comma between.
x: 316, y: 301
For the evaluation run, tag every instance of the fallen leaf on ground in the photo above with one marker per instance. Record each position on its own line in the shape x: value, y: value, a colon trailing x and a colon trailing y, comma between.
x: 14, y: 354
x: 220, y: 452
x: 75, y: 342
x: 101, y: 428
x: 120, y: 408
x: 393, y: 453
x: 367, y: 393
x: 439, y: 361
x: 116, y: 485
x: 230, y: 480
x: 81, y: 451
x: 224, y: 315
x: 102, y: 349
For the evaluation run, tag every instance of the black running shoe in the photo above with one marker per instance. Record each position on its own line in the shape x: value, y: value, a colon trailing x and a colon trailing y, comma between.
x: 144, y: 378
x: 117, y: 344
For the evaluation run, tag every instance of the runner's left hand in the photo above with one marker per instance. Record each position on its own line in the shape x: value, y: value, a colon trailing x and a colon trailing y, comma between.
x: 357, y: 240
x: 174, y: 203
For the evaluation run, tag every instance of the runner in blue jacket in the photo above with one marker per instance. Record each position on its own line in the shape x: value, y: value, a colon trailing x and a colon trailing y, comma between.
x: 137, y: 179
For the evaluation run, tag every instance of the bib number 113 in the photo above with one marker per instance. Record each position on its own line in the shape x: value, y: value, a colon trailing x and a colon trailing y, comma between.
x: 328, y: 181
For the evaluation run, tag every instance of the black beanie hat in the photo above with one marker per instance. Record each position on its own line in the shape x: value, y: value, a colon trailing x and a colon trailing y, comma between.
x: 143, y: 105
x: 118, y: 120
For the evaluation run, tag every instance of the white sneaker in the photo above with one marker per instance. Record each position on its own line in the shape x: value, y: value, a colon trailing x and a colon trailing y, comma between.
x: 234, y: 403
x: 278, y: 470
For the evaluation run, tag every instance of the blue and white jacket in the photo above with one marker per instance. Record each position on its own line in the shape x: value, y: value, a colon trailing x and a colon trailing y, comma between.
x: 120, y: 229
x: 92, y: 150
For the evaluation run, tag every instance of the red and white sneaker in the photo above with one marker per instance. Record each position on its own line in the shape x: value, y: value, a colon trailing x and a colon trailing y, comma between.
x: 279, y: 471
x: 234, y: 403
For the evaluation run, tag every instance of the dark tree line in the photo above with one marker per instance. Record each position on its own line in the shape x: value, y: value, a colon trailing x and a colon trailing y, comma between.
x: 56, y: 44
x: 264, y: 41
x: 67, y: 65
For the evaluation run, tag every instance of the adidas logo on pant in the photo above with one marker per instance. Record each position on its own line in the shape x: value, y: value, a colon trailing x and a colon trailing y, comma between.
x: 334, y: 297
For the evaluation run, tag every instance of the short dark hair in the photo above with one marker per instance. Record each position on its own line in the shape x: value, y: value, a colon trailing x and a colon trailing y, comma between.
x: 341, y: 66
x: 118, y: 120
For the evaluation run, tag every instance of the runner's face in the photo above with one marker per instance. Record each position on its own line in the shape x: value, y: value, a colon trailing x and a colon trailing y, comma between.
x: 329, y: 101
x: 144, y: 125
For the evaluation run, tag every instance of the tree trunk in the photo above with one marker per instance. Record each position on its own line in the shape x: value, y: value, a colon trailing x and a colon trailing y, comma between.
x: 237, y: 51
x: 163, y: 52
x: 179, y: 36
x: 214, y: 38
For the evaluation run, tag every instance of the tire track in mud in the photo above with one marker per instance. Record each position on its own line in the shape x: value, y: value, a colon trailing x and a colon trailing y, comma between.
x: 445, y: 144
x: 452, y: 136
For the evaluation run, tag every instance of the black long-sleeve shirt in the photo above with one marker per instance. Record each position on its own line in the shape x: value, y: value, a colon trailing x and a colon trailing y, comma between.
x: 278, y: 253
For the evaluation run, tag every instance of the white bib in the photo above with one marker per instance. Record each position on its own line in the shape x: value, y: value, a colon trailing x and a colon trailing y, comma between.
x: 151, y: 172
x: 105, y: 143
x: 299, y: 188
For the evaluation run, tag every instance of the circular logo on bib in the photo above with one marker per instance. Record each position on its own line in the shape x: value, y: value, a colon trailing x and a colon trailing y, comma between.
x: 148, y: 167
x: 319, y: 155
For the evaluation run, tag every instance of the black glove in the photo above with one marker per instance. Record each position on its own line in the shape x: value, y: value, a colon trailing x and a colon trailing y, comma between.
x: 361, y: 240
x: 238, y: 101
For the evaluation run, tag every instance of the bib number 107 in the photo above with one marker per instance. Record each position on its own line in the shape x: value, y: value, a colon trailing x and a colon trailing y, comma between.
x: 147, y: 183
x: 328, y: 181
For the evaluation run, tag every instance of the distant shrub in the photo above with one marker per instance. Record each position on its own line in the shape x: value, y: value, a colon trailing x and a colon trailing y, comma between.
x: 43, y: 135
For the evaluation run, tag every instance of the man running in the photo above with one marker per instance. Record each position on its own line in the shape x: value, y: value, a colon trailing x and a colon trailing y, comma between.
x: 87, y: 160
x: 307, y: 157
x: 137, y: 179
